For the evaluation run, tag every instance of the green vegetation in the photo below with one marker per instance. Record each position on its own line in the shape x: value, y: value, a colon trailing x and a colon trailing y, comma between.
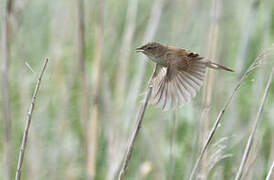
x: 94, y: 70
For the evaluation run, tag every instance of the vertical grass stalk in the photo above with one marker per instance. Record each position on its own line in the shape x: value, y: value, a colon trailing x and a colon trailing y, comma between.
x: 92, y: 124
x: 6, y: 34
x: 27, y: 126
x: 213, y: 38
x: 134, y: 135
x: 251, y: 136
x: 268, y: 177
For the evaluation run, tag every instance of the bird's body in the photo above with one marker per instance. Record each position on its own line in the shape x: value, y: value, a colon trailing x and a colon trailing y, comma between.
x: 178, y: 73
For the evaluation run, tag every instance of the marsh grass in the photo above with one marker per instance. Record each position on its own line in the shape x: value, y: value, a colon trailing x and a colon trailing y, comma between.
x: 28, y: 122
x: 256, y: 63
x: 89, y: 101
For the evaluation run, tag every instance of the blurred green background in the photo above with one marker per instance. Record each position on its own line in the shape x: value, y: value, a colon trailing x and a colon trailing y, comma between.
x: 92, y: 89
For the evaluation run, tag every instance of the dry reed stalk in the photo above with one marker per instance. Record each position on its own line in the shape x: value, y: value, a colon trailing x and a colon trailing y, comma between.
x: 212, y: 51
x: 81, y: 73
x: 134, y: 135
x: 252, y: 134
x: 252, y: 67
x: 268, y: 177
x: 92, y: 124
x: 27, y: 126
x: 81, y: 61
x: 6, y: 34
x: 207, y: 90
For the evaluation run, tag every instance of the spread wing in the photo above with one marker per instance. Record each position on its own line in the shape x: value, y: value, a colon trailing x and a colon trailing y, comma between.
x: 177, y: 83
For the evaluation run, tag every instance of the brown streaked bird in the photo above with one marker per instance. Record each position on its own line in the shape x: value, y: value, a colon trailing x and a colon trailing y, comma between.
x: 178, y: 73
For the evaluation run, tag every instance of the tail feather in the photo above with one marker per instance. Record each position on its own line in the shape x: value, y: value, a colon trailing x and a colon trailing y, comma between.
x: 218, y: 66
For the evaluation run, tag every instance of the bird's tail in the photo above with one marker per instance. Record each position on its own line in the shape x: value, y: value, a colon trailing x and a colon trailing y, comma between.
x: 217, y: 66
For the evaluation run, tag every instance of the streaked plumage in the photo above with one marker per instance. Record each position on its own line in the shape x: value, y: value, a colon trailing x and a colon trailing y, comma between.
x: 178, y: 74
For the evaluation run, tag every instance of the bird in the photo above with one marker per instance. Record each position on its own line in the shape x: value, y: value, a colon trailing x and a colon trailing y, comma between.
x: 178, y: 74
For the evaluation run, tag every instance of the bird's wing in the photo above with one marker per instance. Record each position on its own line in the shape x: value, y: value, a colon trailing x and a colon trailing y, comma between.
x: 177, y: 83
x: 157, y: 77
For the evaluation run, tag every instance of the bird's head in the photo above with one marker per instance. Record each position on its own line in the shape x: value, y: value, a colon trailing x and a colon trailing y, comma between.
x: 152, y: 49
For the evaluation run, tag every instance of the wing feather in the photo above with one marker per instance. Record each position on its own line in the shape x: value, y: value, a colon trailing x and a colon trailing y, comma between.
x: 174, y: 85
x: 183, y: 95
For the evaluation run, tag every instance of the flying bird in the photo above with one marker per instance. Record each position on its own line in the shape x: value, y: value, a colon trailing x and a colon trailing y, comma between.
x: 178, y: 74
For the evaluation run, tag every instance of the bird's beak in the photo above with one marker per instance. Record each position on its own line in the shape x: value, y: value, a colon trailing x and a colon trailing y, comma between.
x: 139, y: 49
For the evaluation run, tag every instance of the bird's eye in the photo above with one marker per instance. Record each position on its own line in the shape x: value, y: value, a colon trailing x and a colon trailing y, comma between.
x: 149, y: 47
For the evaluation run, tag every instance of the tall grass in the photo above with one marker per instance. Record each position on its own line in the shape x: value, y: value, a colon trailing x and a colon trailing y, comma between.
x: 95, y: 81
x: 28, y: 122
